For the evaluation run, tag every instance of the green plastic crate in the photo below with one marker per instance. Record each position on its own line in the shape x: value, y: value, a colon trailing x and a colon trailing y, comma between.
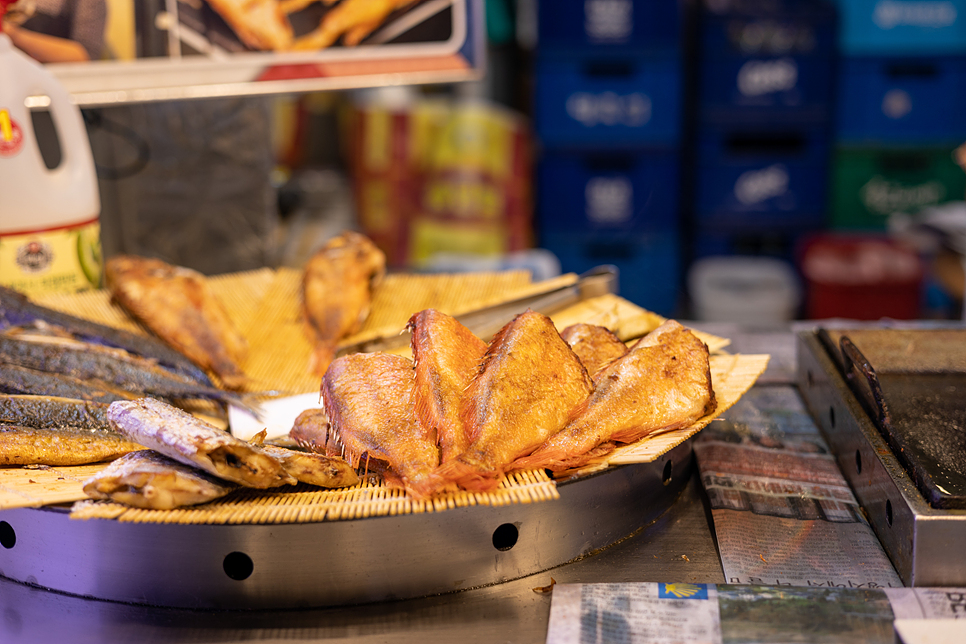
x: 869, y: 184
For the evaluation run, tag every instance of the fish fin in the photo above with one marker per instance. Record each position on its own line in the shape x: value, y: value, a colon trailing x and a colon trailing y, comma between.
x: 321, y: 358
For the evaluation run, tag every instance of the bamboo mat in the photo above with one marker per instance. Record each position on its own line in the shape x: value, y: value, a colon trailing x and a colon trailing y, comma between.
x: 265, y: 306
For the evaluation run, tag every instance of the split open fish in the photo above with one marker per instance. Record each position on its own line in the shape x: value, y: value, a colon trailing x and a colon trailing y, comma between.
x: 596, y: 346
x: 147, y: 479
x: 190, y: 440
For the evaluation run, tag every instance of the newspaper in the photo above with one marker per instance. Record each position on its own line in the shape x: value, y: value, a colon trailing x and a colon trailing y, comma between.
x: 652, y: 613
x: 783, y: 513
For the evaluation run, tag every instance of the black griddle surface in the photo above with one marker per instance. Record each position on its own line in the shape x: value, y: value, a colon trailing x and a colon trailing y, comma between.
x: 922, y: 376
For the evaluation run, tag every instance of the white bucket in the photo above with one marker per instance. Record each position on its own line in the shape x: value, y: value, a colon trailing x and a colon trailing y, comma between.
x: 757, y: 291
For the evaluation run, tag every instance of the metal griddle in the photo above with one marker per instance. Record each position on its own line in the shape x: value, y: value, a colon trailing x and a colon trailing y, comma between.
x: 892, y: 404
x: 336, y: 563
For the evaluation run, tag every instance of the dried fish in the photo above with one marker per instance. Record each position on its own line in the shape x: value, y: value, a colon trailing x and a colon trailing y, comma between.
x: 337, y: 292
x: 52, y: 411
x: 528, y: 384
x: 147, y: 479
x: 311, y: 431
x: 186, y: 438
x: 179, y: 306
x: 369, y: 400
x: 112, y: 366
x: 21, y: 445
x: 16, y: 309
x: 663, y: 383
x: 15, y: 379
x: 595, y: 346
x: 309, y: 467
x: 447, y: 355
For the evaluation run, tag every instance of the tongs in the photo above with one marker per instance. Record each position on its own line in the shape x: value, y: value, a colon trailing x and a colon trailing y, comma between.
x: 485, y: 322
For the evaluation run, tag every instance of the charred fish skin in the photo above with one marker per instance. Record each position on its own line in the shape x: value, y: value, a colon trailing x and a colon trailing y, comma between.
x: 15, y: 379
x: 446, y: 355
x: 149, y: 480
x: 662, y: 383
x: 112, y: 366
x: 368, y: 398
x: 336, y: 290
x: 52, y: 412
x: 190, y: 440
x: 60, y: 446
x: 16, y: 309
x: 179, y: 306
x: 527, y: 386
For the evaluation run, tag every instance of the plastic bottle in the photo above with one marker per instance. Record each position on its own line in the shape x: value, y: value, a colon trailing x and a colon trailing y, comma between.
x: 49, y: 218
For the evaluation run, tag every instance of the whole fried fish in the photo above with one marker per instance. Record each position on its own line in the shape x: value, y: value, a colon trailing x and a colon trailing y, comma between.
x: 190, y: 440
x: 15, y: 379
x: 368, y: 398
x: 20, y: 445
x: 16, y: 310
x: 447, y: 355
x: 52, y: 411
x: 662, y: 383
x: 595, y: 346
x: 337, y: 289
x: 179, y: 306
x: 114, y: 367
x: 529, y: 383
x: 147, y: 479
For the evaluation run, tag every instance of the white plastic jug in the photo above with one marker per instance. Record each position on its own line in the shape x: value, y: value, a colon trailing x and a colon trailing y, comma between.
x: 49, y: 218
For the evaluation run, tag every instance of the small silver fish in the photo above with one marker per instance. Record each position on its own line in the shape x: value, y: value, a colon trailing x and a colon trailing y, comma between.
x: 147, y: 479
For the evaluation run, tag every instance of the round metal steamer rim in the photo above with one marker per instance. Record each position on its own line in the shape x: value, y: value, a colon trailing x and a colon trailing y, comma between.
x: 336, y: 563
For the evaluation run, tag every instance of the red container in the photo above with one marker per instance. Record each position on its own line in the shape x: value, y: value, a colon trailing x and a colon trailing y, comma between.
x: 860, y: 277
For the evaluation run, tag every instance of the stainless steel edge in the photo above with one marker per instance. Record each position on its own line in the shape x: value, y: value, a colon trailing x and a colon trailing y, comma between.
x: 337, y: 563
x: 925, y: 544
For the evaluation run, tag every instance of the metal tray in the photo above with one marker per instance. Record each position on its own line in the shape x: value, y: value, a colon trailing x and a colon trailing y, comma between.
x: 336, y: 563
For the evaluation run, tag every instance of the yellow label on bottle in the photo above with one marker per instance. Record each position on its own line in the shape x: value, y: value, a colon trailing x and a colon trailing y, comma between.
x: 52, y: 261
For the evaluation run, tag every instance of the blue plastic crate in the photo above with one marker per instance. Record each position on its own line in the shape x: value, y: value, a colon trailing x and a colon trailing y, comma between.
x: 780, y: 244
x: 761, y: 178
x: 769, y: 28
x: 626, y: 192
x: 918, y: 100
x: 649, y: 265
x: 608, y: 102
x: 580, y: 27
x: 738, y: 89
x: 902, y: 27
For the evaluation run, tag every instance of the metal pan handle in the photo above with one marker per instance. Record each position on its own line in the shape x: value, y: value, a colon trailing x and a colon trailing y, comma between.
x: 853, y: 361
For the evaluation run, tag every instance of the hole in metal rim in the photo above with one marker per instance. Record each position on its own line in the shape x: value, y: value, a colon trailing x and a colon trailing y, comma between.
x: 889, y: 512
x: 831, y: 416
x: 238, y: 566
x: 666, y: 474
x: 858, y: 462
x: 505, y: 537
x: 8, y: 537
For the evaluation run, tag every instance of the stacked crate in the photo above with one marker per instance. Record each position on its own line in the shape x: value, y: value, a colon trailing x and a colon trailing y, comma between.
x: 763, y: 125
x: 901, y: 109
x: 607, y: 114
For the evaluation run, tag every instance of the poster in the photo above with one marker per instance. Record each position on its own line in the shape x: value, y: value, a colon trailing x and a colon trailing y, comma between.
x: 116, y: 51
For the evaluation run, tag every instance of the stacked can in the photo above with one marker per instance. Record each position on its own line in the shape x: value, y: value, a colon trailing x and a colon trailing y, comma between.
x: 901, y: 109
x: 607, y: 114
x: 763, y: 124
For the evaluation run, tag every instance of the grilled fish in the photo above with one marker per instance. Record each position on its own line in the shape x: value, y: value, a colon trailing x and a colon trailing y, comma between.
x: 309, y: 467
x: 527, y: 386
x: 190, y: 440
x: 15, y: 379
x: 595, y: 346
x: 311, y: 431
x: 52, y: 411
x: 20, y: 445
x: 179, y: 306
x: 147, y: 479
x: 16, y: 310
x: 369, y: 401
x: 447, y: 355
x: 662, y: 383
x: 112, y: 366
x: 337, y: 289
